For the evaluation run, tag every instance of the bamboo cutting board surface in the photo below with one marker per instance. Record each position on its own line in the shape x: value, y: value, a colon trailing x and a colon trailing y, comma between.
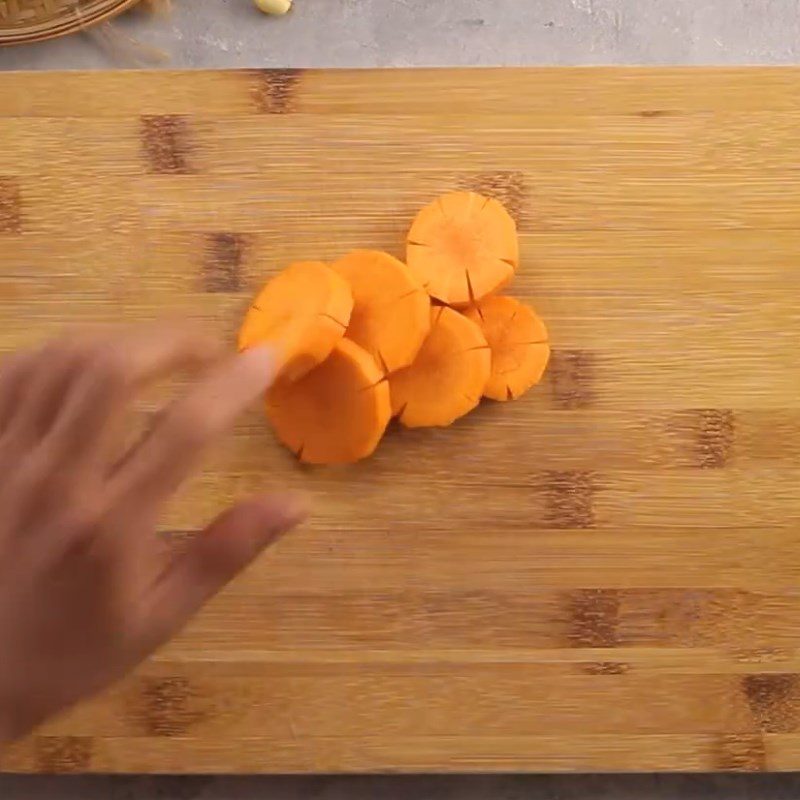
x: 601, y: 576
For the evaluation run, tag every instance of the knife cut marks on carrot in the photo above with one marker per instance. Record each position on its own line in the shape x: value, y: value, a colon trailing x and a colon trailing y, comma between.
x: 337, y: 413
x: 449, y: 375
x: 391, y: 310
x: 360, y: 341
x: 303, y: 312
x: 463, y: 247
x: 517, y: 338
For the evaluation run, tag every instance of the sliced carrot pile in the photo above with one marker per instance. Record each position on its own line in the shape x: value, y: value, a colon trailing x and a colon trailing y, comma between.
x: 463, y: 247
x: 448, y: 376
x: 518, y: 340
x: 337, y: 413
x: 391, y: 310
x: 303, y: 311
x: 359, y: 341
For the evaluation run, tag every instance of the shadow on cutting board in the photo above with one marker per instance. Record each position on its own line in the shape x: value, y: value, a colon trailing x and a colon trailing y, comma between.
x: 467, y: 787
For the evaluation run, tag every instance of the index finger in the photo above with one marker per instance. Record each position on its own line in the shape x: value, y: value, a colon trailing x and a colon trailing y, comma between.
x: 166, y: 456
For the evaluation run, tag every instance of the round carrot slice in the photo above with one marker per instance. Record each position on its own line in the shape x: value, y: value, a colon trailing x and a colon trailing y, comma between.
x: 518, y: 340
x: 448, y: 376
x: 463, y: 247
x: 391, y: 310
x: 337, y: 413
x: 304, y: 312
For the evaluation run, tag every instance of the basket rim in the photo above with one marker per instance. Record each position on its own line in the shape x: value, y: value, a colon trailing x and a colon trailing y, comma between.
x: 50, y: 30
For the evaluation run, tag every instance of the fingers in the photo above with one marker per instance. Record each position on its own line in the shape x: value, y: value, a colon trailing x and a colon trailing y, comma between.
x: 50, y: 373
x: 72, y: 385
x: 213, y: 559
x: 13, y: 370
x: 164, y: 458
x: 61, y: 407
x: 113, y: 369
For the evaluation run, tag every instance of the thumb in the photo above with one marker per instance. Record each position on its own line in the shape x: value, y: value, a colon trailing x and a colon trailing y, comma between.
x: 215, y: 557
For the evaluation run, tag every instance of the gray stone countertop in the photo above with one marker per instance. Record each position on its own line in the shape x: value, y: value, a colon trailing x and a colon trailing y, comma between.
x: 368, y: 33
x: 365, y: 33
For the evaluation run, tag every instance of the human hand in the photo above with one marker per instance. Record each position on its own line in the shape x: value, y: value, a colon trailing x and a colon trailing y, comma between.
x: 87, y: 590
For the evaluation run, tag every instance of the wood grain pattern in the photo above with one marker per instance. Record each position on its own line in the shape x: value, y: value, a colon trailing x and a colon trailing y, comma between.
x: 601, y: 576
x: 25, y: 21
x: 10, y: 206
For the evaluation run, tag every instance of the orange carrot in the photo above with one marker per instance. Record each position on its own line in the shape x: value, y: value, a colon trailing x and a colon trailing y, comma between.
x: 391, y: 311
x: 337, y: 413
x: 448, y: 376
x: 463, y: 247
x: 518, y: 340
x: 304, y: 311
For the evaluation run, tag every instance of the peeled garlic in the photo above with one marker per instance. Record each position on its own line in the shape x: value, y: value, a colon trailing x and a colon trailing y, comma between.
x: 273, y: 6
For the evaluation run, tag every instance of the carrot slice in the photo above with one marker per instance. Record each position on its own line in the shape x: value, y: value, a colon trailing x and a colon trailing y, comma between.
x: 463, y: 247
x: 391, y: 311
x: 304, y: 310
x: 448, y: 376
x: 518, y: 340
x: 337, y: 413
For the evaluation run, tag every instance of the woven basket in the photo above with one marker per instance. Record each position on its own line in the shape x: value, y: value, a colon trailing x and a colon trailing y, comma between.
x: 24, y: 21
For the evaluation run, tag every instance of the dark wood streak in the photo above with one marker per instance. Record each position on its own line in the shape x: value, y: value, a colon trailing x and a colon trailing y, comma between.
x: 569, y: 499
x: 655, y: 113
x: 773, y: 701
x: 714, y: 438
x: 593, y: 617
x: 740, y: 753
x: 60, y: 755
x: 10, y: 206
x: 571, y: 376
x: 166, y: 144
x: 166, y: 707
x: 275, y: 90
x: 706, y: 436
x: 223, y: 255
x: 606, y: 668
x: 507, y: 187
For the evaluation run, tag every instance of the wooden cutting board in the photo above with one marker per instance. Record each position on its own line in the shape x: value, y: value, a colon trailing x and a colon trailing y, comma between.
x: 602, y: 576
